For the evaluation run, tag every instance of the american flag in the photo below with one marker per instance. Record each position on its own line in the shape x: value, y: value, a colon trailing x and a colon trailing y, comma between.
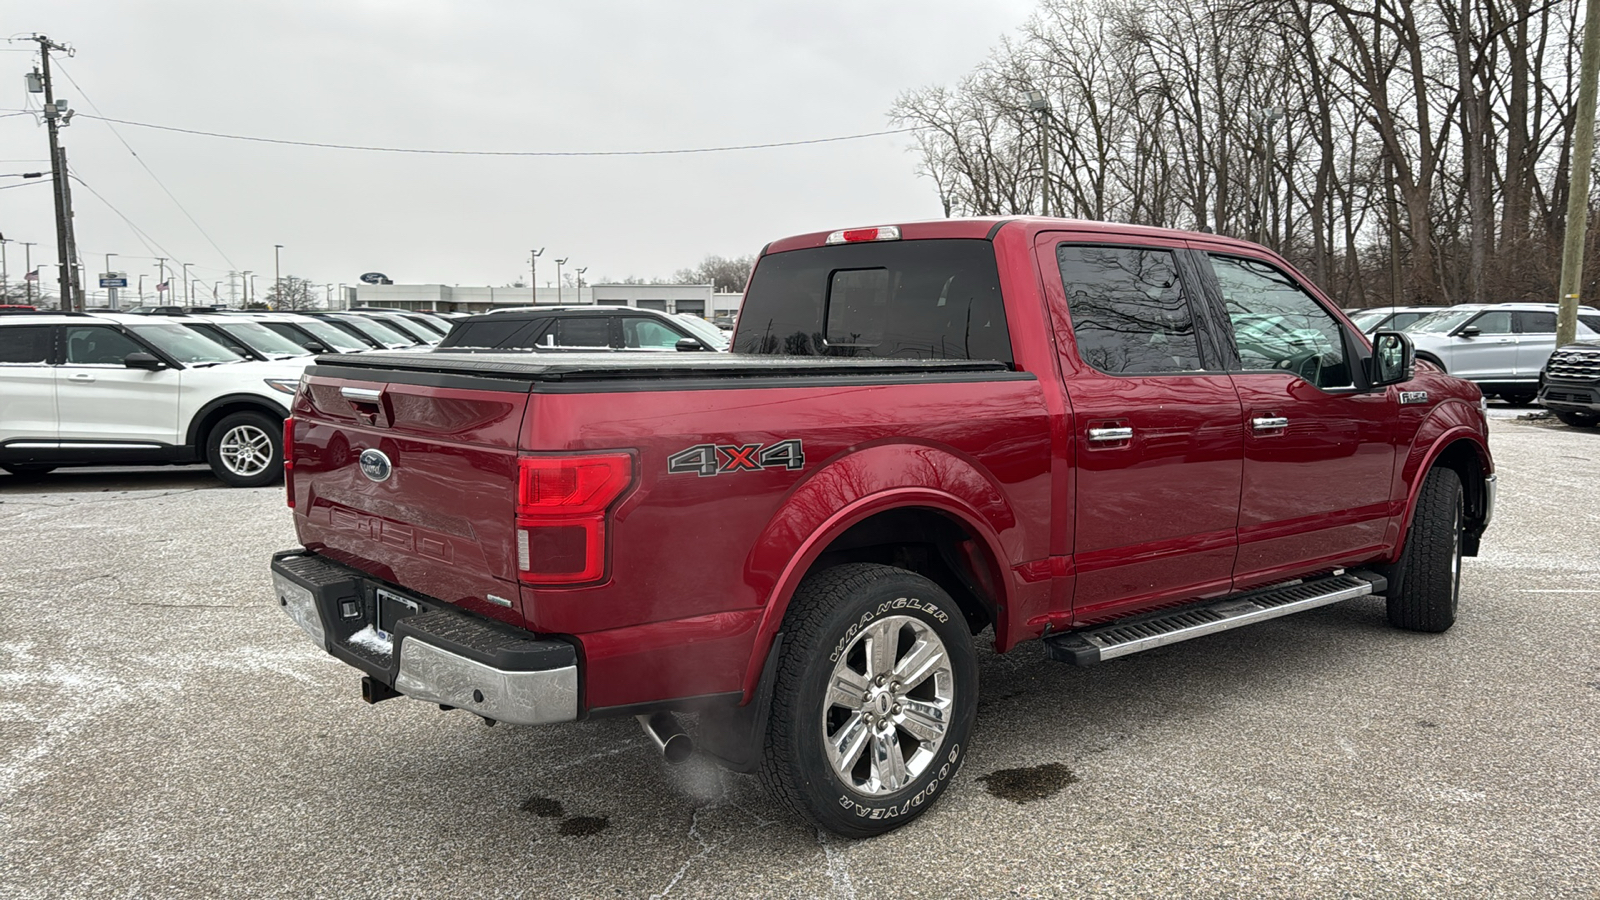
x: 31, y: 276
x: 162, y: 286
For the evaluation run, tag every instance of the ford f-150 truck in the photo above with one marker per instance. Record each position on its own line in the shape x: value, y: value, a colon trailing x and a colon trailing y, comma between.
x: 1097, y: 438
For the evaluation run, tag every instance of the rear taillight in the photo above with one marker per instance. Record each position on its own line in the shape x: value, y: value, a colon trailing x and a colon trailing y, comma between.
x: 288, y: 459
x: 561, y: 514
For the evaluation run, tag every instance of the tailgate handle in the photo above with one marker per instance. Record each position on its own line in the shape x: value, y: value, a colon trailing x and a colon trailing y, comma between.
x: 368, y: 404
x: 361, y: 395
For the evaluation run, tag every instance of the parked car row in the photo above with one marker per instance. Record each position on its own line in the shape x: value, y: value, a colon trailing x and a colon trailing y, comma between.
x: 1507, y: 349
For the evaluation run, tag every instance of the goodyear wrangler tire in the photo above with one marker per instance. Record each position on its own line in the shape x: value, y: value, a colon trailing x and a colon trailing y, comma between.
x: 874, y: 699
x: 1425, y: 587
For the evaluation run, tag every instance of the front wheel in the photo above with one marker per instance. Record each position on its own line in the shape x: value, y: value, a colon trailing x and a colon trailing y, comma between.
x: 1425, y: 586
x: 245, y: 449
x: 873, y: 704
x: 27, y: 470
x: 1579, y: 419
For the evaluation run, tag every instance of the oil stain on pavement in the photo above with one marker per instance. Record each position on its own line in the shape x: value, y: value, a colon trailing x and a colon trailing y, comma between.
x: 1028, y: 784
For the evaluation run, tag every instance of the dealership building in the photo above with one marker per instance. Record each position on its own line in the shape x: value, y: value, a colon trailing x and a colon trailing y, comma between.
x: 698, y: 299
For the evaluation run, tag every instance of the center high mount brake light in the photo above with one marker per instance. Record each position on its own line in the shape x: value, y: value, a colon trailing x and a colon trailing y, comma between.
x: 861, y: 235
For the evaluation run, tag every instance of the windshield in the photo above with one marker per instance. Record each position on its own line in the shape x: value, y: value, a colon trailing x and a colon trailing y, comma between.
x: 1370, y: 318
x: 330, y: 336
x: 263, y: 340
x: 437, y: 324
x: 709, y: 334
x: 406, y: 328
x: 378, y: 331
x: 1441, y: 322
x: 185, y: 344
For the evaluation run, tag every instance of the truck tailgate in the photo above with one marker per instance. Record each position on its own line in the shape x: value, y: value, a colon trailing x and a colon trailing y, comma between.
x: 433, y: 508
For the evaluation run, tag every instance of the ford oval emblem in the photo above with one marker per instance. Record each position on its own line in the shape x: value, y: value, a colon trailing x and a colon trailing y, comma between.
x: 375, y: 465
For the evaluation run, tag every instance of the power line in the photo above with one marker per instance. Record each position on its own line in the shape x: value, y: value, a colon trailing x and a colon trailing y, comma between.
x: 374, y: 149
x: 139, y: 233
x: 151, y: 172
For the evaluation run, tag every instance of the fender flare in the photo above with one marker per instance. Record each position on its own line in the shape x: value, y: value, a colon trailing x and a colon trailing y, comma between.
x: 1412, y: 476
x: 863, y: 482
x: 256, y: 401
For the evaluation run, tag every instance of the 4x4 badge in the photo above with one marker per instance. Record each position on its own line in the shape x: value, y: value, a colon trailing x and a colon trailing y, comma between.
x: 714, y: 459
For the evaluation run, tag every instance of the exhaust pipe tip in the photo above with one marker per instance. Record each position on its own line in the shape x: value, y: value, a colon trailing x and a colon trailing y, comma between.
x: 668, y: 736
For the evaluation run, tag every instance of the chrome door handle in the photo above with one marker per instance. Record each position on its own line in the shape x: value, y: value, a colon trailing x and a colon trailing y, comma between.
x: 80, y: 376
x: 1107, y: 435
x: 1269, y: 423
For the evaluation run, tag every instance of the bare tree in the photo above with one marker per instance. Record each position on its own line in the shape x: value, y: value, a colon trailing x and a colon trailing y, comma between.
x: 292, y: 293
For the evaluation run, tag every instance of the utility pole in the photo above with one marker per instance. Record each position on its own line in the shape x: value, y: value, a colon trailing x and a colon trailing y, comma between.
x: 1578, y: 187
x: 533, y: 273
x: 277, y: 276
x: 28, y: 277
x: 56, y: 116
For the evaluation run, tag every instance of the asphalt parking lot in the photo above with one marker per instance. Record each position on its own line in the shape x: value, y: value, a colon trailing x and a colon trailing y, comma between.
x: 165, y: 731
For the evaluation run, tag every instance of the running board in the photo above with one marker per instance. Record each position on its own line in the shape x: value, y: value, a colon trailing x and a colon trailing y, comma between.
x: 1127, y: 636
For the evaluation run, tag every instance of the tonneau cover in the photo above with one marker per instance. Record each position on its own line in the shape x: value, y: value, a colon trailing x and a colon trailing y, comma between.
x: 581, y: 367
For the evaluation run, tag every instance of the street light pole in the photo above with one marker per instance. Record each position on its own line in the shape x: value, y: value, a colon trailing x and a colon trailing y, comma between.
x: 1269, y: 115
x: 1040, y: 104
x: 559, y: 263
x: 187, y: 299
x: 580, y: 282
x: 5, y: 273
x: 277, y: 274
x: 162, y: 287
x: 533, y: 272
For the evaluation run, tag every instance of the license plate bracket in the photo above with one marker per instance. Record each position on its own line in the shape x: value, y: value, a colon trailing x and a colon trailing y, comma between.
x: 391, y: 609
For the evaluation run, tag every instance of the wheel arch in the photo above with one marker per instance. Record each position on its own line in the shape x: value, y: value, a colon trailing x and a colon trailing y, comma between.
x: 208, y: 416
x: 1462, y: 448
x: 875, y: 505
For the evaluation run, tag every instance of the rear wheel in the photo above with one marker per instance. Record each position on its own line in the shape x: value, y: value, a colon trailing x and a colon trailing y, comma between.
x: 874, y: 699
x: 1579, y: 419
x: 245, y: 449
x: 1522, y: 399
x: 1425, y: 586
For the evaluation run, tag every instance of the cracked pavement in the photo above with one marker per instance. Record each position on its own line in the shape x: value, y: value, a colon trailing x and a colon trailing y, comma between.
x: 166, y: 731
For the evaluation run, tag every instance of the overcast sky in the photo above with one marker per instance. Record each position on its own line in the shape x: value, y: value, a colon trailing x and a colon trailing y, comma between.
x: 476, y: 75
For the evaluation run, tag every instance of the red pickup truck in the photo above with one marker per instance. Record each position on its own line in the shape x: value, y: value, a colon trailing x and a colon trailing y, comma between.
x: 1103, y: 438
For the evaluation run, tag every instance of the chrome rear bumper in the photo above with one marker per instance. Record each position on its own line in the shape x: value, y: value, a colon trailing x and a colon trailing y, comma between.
x: 437, y: 653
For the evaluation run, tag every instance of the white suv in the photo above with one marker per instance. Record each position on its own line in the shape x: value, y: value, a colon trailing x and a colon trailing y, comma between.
x: 81, y: 389
x: 1499, y: 346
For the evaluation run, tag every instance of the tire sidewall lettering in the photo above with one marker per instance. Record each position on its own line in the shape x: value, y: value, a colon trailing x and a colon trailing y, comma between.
x: 901, y: 808
x: 931, y: 610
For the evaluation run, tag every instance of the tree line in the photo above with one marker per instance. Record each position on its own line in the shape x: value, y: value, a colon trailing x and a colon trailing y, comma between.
x: 1397, y: 151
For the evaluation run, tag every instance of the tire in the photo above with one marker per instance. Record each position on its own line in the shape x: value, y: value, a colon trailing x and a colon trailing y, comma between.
x: 235, y: 448
x: 837, y: 618
x: 28, y: 470
x: 1579, y: 419
x: 1425, y: 586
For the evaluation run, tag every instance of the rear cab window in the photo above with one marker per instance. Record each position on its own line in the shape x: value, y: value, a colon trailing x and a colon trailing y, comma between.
x: 930, y: 299
x: 1129, y: 313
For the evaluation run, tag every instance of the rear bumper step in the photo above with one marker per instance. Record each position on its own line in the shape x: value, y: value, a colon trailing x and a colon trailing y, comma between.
x: 1128, y: 636
x: 430, y: 651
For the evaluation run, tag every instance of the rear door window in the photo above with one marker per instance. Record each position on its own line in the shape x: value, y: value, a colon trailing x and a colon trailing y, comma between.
x: 494, y: 331
x: 936, y: 299
x: 1536, y: 322
x: 1493, y: 323
x: 1130, y: 315
x: 578, y: 333
x: 25, y: 344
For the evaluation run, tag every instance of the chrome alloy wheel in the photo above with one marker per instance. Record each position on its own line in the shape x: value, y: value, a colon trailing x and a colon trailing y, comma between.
x: 246, y: 450
x: 888, y: 705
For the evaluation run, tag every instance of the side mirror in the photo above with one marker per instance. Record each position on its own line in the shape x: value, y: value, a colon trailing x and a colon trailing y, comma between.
x: 689, y: 345
x: 316, y: 347
x: 143, y: 361
x: 1394, y: 360
x: 1471, y: 331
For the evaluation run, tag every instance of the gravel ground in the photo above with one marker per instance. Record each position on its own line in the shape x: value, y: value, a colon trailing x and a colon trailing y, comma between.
x: 165, y: 731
